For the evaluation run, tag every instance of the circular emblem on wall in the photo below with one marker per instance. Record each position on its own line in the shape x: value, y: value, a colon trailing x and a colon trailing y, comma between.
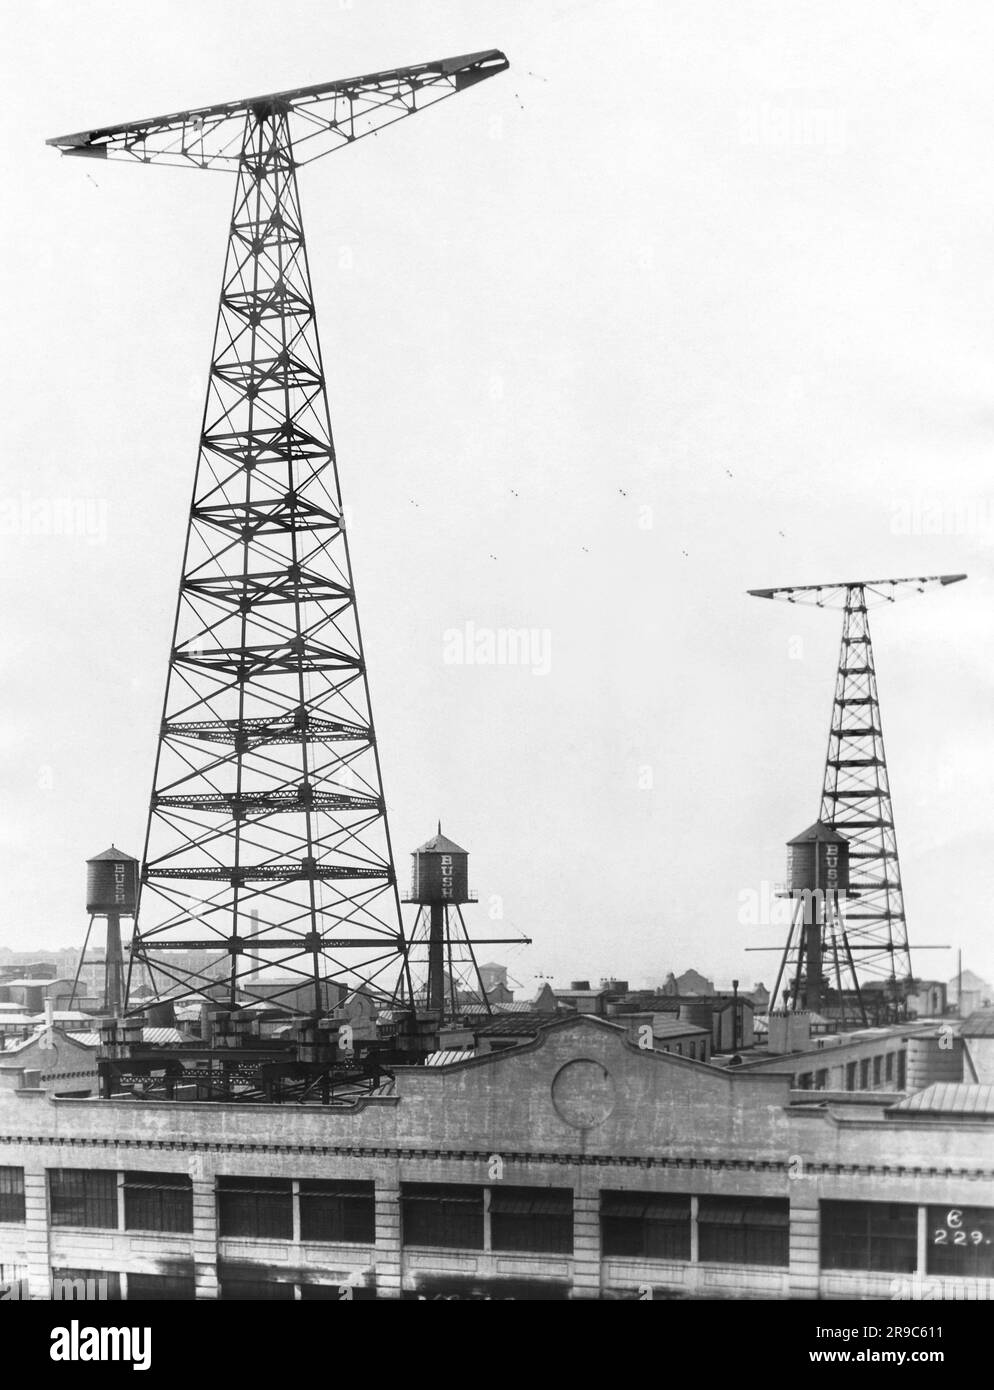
x: 583, y: 1093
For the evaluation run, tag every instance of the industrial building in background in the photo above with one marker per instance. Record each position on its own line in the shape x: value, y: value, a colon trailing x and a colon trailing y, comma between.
x: 856, y: 803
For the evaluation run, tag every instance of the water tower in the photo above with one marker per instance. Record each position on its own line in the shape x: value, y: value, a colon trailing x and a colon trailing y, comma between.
x: 440, y: 886
x: 111, y: 893
x: 818, y: 882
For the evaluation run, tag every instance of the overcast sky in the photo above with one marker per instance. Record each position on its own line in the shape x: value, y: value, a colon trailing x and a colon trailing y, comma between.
x: 696, y: 298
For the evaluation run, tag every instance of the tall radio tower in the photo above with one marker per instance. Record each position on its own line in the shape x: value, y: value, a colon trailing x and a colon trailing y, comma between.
x: 855, y: 798
x: 268, y: 848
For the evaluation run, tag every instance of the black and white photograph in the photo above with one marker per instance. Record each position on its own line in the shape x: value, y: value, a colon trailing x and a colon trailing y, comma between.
x: 498, y: 659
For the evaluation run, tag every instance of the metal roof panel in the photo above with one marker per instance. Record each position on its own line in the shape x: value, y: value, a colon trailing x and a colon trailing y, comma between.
x: 949, y: 1098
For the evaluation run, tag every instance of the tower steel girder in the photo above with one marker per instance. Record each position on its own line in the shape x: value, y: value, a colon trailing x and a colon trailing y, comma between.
x: 291, y: 828
x: 856, y: 801
x: 323, y: 118
x: 268, y: 847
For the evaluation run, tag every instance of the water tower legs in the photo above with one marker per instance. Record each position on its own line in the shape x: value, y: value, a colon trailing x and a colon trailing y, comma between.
x: 114, y: 968
x: 436, y: 958
x: 812, y: 952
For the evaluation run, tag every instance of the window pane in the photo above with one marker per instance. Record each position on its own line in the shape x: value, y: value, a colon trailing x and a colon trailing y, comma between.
x: 158, y: 1202
x: 442, y: 1214
x: 337, y: 1211
x: 532, y: 1218
x: 260, y: 1208
x: 651, y: 1206
x: 869, y: 1235
x: 11, y: 1194
x: 960, y: 1241
x: 746, y: 1230
x: 83, y: 1197
x: 335, y: 1293
x: 154, y: 1287
x: 646, y: 1225
x: 256, y: 1290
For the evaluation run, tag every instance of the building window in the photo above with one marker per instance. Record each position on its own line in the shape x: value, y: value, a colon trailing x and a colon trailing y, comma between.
x: 148, y: 1288
x: 11, y: 1194
x: 158, y: 1202
x: 446, y: 1214
x: 864, y: 1074
x: 804, y: 1081
x: 850, y: 1076
x: 889, y: 1067
x: 337, y: 1212
x: 877, y: 1072
x: 869, y: 1235
x: 743, y: 1230
x: 261, y: 1208
x: 961, y: 1241
x: 646, y: 1225
x: 255, y: 1289
x: 89, y: 1285
x: 821, y: 1080
x: 336, y: 1293
x: 902, y: 1065
x: 83, y: 1197
x: 532, y: 1218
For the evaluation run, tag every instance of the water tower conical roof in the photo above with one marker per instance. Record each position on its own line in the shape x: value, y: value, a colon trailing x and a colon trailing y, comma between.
x: 440, y: 844
x: 114, y: 853
x: 825, y: 834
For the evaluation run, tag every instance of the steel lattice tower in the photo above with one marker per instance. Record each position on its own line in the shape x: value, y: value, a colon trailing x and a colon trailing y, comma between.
x: 856, y: 799
x: 268, y: 846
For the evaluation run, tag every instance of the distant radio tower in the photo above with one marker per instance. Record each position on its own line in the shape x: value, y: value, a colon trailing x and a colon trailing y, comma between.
x: 855, y: 797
